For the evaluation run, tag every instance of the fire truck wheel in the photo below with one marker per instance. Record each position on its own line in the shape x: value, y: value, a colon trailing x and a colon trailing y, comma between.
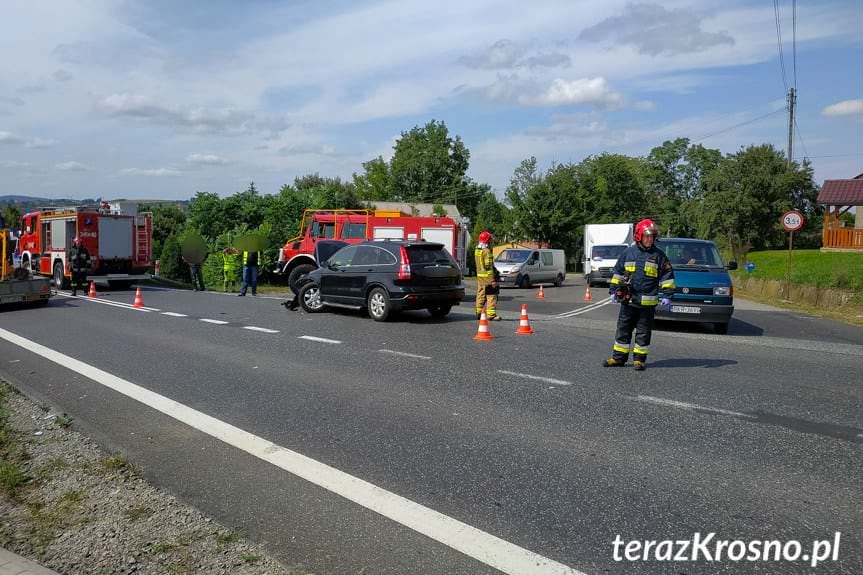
x: 310, y: 298
x: 59, y: 277
x: 297, y: 273
x: 120, y: 284
x: 379, y: 304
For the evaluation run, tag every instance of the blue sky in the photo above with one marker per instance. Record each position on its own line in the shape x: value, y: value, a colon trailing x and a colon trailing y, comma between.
x: 161, y: 99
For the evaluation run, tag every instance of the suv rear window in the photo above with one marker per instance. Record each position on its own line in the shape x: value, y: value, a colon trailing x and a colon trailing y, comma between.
x: 428, y: 255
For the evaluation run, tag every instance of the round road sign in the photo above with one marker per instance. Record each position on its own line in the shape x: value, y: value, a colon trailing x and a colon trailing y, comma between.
x: 792, y: 221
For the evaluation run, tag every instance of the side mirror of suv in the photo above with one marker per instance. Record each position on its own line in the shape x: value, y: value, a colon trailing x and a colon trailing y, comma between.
x: 732, y: 265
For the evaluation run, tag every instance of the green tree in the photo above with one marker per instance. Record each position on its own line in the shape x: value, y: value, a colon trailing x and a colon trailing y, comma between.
x: 747, y: 195
x: 11, y: 217
x: 375, y: 183
x: 168, y: 220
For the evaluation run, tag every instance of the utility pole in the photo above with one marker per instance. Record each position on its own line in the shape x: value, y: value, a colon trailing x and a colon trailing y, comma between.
x: 792, y: 100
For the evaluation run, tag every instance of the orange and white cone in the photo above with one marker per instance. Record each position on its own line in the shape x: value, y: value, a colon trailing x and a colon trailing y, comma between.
x: 587, y: 294
x: 541, y: 294
x: 524, y: 323
x: 139, y: 299
x: 92, y: 292
x: 483, y: 331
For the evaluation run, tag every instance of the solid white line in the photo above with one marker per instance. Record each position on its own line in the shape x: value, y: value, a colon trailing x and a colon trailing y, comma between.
x: 215, y: 293
x: 260, y: 329
x: 586, y: 309
x: 215, y: 321
x: 403, y: 354
x: 318, y: 339
x: 174, y: 314
x: 536, y: 377
x: 107, y: 302
x: 493, y: 551
x: 690, y: 406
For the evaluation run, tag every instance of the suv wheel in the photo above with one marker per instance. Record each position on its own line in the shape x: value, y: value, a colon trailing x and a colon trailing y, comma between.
x: 379, y: 304
x: 310, y: 298
x: 440, y: 311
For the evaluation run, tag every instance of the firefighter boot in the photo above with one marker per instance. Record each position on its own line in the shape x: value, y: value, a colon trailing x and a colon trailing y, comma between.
x: 494, y: 317
x: 613, y: 363
x: 639, y: 365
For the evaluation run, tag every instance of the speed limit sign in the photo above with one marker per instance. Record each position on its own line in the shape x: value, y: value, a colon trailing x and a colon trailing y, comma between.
x: 792, y: 220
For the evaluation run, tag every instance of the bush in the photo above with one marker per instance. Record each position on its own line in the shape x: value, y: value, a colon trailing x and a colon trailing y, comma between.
x: 171, y: 263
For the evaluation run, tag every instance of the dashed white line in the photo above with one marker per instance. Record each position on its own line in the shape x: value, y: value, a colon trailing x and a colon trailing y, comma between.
x: 484, y: 547
x: 690, y: 406
x: 214, y: 321
x: 318, y: 339
x: 403, y: 354
x: 174, y: 314
x: 535, y: 377
x: 260, y: 329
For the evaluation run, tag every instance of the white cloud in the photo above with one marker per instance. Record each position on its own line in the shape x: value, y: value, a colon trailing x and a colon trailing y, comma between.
x: 645, y: 105
x: 593, y: 91
x: 655, y: 30
x: 154, y: 172
x: 307, y: 148
x: 844, y: 108
x: 27, y: 142
x: 502, y: 54
x: 550, y: 60
x: 13, y: 165
x: 206, y: 160
x: 72, y: 167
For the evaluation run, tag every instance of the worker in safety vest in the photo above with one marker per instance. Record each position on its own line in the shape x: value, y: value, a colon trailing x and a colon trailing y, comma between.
x: 79, y: 264
x: 486, y: 278
x: 230, y: 267
x: 641, y: 274
x: 250, y: 272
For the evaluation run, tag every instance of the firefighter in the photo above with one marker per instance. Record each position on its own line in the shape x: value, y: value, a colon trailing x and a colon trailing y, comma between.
x: 642, y: 272
x: 79, y: 264
x: 250, y: 272
x: 487, y: 278
x: 230, y: 267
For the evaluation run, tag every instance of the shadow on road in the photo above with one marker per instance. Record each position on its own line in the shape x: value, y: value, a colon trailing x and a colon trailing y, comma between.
x: 692, y: 362
x: 735, y: 328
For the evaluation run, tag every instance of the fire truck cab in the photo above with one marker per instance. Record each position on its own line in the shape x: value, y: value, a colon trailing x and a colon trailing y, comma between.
x: 296, y: 257
x: 119, y: 244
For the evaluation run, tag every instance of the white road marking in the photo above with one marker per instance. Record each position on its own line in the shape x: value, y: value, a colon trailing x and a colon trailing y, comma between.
x: 260, y: 329
x: 174, y: 314
x: 215, y: 321
x: 493, y: 551
x: 403, y: 354
x: 108, y: 302
x: 690, y: 406
x: 318, y: 339
x: 211, y: 292
x: 535, y: 377
x: 585, y: 309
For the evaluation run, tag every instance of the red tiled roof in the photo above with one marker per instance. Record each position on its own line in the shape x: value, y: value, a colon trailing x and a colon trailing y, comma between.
x: 842, y: 193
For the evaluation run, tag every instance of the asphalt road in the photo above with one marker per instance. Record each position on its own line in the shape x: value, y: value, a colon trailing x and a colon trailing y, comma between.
x: 757, y: 435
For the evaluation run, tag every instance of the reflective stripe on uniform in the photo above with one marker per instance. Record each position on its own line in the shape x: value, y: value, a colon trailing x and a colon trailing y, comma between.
x: 641, y: 350
x: 629, y: 266
x: 649, y: 300
x: 620, y: 348
x: 617, y: 278
x: 651, y: 269
x: 669, y: 284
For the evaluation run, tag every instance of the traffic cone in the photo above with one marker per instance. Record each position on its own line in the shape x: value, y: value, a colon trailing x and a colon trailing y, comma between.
x: 524, y: 324
x: 139, y: 299
x: 587, y: 294
x: 541, y: 294
x: 482, y: 332
x: 92, y: 292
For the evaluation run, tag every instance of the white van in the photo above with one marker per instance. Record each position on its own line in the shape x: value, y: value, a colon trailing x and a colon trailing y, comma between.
x: 524, y: 267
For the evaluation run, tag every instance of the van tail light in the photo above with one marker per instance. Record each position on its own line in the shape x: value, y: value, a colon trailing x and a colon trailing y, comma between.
x: 404, y: 265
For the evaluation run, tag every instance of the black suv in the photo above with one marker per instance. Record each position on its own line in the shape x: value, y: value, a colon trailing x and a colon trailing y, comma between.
x: 383, y: 277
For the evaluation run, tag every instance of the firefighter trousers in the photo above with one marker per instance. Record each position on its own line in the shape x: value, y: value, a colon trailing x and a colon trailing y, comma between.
x: 486, y: 296
x: 639, y: 318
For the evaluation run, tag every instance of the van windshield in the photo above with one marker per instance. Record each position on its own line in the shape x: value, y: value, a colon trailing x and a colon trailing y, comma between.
x: 695, y: 254
x: 513, y: 256
x: 607, y: 252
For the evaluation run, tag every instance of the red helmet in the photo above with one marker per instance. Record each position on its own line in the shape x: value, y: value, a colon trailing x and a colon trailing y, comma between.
x: 484, y: 237
x: 645, y: 227
x: 76, y: 240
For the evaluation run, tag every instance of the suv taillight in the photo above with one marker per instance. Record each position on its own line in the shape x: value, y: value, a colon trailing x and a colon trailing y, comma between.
x: 404, y: 265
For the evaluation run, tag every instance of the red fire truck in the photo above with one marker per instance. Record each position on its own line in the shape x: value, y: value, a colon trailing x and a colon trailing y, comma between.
x: 353, y: 226
x: 119, y: 244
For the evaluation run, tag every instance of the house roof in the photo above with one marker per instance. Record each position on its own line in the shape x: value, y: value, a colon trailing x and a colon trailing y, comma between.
x: 842, y: 192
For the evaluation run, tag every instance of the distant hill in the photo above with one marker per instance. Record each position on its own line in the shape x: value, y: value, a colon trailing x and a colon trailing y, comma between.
x: 40, y: 201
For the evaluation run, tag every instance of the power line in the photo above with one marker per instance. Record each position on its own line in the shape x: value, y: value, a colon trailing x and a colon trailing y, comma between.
x: 794, y: 39
x: 779, y: 43
x: 802, y: 143
x: 838, y: 155
x: 728, y: 129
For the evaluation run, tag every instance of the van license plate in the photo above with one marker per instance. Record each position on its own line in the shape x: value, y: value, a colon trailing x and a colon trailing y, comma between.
x: 685, y: 309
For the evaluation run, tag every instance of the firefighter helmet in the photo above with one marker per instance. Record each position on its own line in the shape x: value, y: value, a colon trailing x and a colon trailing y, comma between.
x: 645, y: 227
x: 76, y: 241
x: 484, y: 237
